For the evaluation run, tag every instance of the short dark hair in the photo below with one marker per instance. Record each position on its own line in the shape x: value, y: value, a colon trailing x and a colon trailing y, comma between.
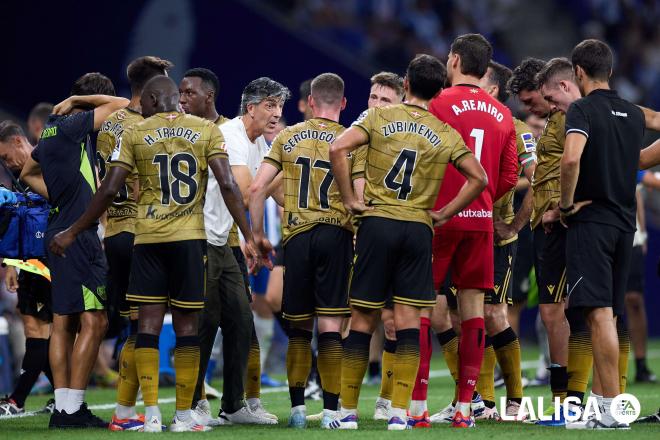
x: 209, y: 79
x: 305, y: 89
x: 594, y: 57
x: 41, y: 111
x: 523, y: 77
x: 389, y: 79
x: 499, y: 75
x: 142, y: 69
x: 554, y: 68
x: 262, y: 88
x: 475, y: 52
x: 93, y: 83
x: 328, y: 89
x: 8, y: 129
x: 426, y: 75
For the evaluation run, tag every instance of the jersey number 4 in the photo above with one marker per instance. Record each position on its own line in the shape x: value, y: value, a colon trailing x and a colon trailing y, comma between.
x: 305, y: 173
x: 181, y: 176
x: 122, y: 195
x: 404, y: 164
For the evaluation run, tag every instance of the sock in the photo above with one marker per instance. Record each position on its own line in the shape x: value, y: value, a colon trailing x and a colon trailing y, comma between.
x: 61, y: 395
x: 74, y: 400
x: 298, y: 363
x: 329, y: 365
x: 353, y: 366
x: 486, y: 381
x: 640, y: 365
x: 418, y: 407
x: 374, y: 368
x: 186, y: 367
x: 183, y: 414
x: 125, y: 412
x: 580, y: 355
x: 558, y: 381
x: 406, y: 364
x: 507, y: 350
x: 253, y: 382
x: 152, y: 411
x: 147, y: 366
x: 624, y: 353
x: 389, y: 350
x: 605, y: 406
x: 264, y: 330
x: 471, y: 353
x: 34, y: 361
x: 449, y: 342
x: 128, y: 385
x: 425, y: 351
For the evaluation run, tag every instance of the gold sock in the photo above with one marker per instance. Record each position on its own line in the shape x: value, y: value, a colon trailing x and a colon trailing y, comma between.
x: 128, y: 384
x: 147, y: 366
x: 580, y: 361
x: 353, y: 366
x: 507, y: 351
x: 298, y: 363
x: 406, y: 364
x: 624, y: 353
x: 329, y: 366
x: 387, y: 363
x: 486, y: 381
x: 253, y: 382
x: 186, y: 367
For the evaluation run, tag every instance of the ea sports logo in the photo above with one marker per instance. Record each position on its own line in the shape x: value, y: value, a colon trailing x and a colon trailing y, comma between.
x: 625, y: 408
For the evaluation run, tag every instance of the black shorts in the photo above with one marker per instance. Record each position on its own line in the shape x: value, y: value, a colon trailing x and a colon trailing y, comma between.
x: 172, y: 272
x: 317, y: 265
x: 636, y: 274
x: 34, y: 296
x: 449, y: 290
x: 278, y: 260
x: 78, y: 279
x: 597, y: 265
x: 242, y: 264
x: 550, y: 263
x: 392, y: 256
x: 505, y: 260
x: 118, y: 251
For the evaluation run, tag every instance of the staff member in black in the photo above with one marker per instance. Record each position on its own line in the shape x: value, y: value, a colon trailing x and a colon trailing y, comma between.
x: 604, y: 135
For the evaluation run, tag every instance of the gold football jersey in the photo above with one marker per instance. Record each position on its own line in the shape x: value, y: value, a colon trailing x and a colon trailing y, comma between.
x: 549, y: 150
x: 170, y: 152
x: 311, y: 195
x: 122, y: 212
x: 526, y: 145
x: 407, y: 155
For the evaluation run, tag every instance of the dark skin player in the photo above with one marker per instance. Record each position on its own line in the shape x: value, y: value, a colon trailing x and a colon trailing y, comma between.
x: 161, y: 95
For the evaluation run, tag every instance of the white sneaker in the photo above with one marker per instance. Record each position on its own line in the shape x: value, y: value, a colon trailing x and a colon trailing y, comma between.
x: 202, y: 413
x: 330, y: 419
x: 382, y: 411
x: 246, y: 417
x: 348, y: 419
x: 513, y: 409
x: 444, y: 416
x: 259, y: 410
x: 188, y: 426
x: 594, y: 423
x: 211, y: 393
x: 315, y: 417
x: 488, y: 414
x: 152, y: 425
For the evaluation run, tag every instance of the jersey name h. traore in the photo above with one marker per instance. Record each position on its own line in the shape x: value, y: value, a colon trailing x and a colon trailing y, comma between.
x: 170, y: 152
x: 122, y: 212
x: 311, y: 195
x: 407, y: 156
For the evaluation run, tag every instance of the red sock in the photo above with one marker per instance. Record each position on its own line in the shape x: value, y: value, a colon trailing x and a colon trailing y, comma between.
x: 425, y: 350
x: 470, y: 355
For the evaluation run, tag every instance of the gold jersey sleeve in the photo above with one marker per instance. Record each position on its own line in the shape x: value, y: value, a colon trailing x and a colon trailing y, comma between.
x: 170, y: 152
x: 121, y: 213
x: 359, y: 162
x: 408, y: 152
x: 549, y: 150
x: 311, y: 194
x: 526, y: 146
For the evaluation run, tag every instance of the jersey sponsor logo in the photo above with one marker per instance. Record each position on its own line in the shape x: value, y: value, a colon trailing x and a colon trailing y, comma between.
x: 170, y: 133
x: 412, y: 128
x: 323, y: 136
x: 478, y: 105
x: 529, y: 142
x: 620, y: 114
x: 475, y: 213
x: 153, y: 214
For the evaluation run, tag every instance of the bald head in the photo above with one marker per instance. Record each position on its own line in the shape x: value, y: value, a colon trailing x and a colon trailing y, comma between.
x: 160, y: 94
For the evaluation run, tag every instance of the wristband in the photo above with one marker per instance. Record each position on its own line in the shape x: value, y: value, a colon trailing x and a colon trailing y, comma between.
x: 566, y: 210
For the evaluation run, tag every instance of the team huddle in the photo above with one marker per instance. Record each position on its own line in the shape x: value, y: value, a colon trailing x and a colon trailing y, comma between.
x: 405, y: 217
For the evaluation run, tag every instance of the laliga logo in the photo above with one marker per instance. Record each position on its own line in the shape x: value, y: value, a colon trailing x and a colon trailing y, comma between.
x: 625, y: 408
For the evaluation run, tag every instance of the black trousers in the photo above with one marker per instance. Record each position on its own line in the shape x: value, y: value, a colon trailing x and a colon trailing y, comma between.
x: 227, y: 307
